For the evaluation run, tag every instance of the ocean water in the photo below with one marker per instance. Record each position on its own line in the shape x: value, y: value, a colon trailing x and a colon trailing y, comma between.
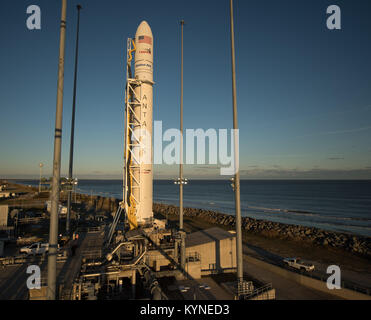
x: 343, y: 206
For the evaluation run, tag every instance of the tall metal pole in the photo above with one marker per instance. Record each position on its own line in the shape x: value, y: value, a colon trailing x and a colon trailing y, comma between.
x: 73, y: 123
x: 40, y: 165
x: 182, y: 248
x: 53, y: 231
x: 236, y: 158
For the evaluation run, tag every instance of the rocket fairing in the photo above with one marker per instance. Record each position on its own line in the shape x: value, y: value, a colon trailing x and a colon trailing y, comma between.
x: 142, y: 184
x: 144, y: 53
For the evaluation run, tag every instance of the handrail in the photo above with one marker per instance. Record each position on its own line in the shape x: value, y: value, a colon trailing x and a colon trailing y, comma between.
x: 260, y: 290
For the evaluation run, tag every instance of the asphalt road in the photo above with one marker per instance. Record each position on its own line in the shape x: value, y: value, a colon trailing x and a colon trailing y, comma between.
x: 350, y: 279
x: 286, y: 289
x: 13, y: 280
x: 195, y: 290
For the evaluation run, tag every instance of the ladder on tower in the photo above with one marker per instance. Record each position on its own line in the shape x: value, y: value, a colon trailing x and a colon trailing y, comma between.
x: 132, y: 159
x: 133, y: 144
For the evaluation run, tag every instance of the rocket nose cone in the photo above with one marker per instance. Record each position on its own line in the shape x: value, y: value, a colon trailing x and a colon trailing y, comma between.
x: 144, y: 29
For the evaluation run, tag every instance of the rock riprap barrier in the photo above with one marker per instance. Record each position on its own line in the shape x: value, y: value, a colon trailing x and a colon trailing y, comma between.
x: 352, y: 243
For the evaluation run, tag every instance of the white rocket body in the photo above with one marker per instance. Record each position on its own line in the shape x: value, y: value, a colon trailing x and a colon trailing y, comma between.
x: 143, y: 71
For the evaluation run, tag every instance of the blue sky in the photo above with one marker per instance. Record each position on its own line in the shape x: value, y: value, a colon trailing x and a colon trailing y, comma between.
x: 304, y: 98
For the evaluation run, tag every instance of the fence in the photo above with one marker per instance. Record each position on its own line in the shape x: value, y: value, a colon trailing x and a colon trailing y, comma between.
x: 259, y: 291
x: 21, y: 259
x: 245, y: 287
x: 30, y: 220
x: 91, y: 254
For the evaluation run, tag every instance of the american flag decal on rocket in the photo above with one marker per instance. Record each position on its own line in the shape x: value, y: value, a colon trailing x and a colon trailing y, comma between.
x: 145, y: 39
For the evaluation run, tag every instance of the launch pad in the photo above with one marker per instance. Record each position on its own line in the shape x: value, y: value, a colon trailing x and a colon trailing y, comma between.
x: 138, y: 250
x: 135, y: 244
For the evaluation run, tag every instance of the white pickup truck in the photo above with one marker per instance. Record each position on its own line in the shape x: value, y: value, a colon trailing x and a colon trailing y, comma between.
x: 297, y: 263
x: 35, y: 248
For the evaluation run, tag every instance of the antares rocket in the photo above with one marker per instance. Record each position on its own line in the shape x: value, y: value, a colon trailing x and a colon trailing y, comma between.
x: 138, y: 174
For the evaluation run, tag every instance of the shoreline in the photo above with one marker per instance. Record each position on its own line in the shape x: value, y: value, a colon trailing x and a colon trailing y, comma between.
x: 355, y: 244
x: 352, y: 243
x: 325, y: 215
